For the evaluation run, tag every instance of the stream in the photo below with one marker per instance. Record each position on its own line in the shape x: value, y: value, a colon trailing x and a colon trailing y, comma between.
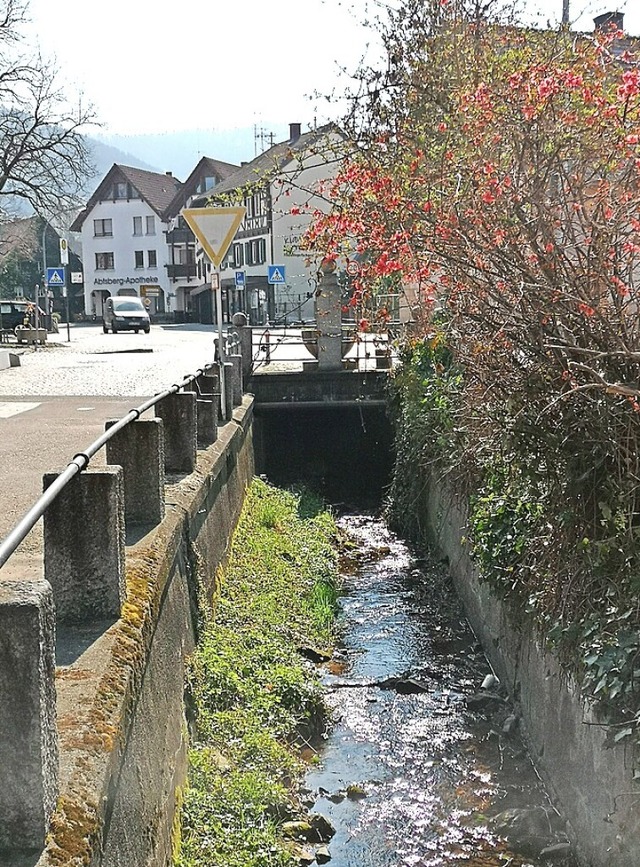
x: 421, y: 765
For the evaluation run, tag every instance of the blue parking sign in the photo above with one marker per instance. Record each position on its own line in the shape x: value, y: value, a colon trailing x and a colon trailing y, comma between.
x: 240, y: 279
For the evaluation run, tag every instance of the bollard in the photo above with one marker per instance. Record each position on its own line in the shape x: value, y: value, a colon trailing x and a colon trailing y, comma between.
x: 28, y: 735
x: 178, y: 413
x: 236, y: 378
x: 228, y: 391
x: 245, y: 337
x: 207, y: 411
x: 208, y: 382
x: 84, y: 538
x: 139, y: 449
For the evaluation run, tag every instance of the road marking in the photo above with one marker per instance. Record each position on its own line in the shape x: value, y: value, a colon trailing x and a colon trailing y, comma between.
x: 84, y: 408
x: 15, y: 408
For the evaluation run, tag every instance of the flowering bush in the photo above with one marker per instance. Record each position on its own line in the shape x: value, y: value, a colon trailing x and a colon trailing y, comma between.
x: 497, y: 176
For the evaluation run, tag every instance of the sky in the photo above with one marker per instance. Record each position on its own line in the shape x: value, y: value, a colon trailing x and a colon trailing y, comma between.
x: 149, y: 67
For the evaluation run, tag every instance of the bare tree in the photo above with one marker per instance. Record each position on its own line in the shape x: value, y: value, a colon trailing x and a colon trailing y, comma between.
x: 44, y: 158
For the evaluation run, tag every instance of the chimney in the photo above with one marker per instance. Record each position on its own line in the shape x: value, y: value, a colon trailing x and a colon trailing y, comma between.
x: 294, y: 132
x: 609, y: 21
x: 169, y: 174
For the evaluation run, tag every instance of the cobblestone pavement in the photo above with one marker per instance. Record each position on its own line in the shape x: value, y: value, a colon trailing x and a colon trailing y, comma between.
x: 93, y: 363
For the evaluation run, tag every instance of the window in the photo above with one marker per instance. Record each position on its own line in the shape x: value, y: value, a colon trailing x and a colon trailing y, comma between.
x: 184, y: 256
x: 153, y: 258
x: 256, y: 251
x: 123, y: 190
x: 104, y: 262
x: 139, y: 257
x: 255, y: 204
x: 151, y: 225
x: 238, y: 256
x: 206, y: 183
x: 102, y: 228
x: 137, y: 225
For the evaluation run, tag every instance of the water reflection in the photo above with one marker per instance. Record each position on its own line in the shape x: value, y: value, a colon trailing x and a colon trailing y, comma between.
x: 410, y: 774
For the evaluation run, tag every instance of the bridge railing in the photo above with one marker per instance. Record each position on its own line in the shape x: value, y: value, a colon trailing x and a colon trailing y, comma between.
x: 267, y: 348
x: 86, y: 514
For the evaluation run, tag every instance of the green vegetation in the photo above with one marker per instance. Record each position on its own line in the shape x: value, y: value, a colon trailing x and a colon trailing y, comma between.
x: 255, y: 699
x: 552, y: 526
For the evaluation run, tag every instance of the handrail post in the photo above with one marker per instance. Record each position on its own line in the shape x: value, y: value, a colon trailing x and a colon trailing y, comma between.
x: 28, y: 734
x: 84, y: 540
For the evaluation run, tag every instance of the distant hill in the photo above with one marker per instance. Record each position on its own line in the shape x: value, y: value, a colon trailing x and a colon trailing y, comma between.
x: 105, y: 155
x: 178, y: 152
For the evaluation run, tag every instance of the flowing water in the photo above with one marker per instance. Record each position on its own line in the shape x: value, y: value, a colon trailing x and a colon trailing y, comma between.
x: 412, y: 771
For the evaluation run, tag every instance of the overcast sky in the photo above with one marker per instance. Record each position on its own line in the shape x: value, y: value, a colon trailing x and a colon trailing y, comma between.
x: 150, y: 67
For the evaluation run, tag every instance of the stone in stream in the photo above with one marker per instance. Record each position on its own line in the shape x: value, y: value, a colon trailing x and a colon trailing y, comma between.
x: 314, y: 655
x: 323, y: 855
x: 529, y: 830
x: 403, y: 685
x: 483, y: 700
x: 316, y: 828
x: 355, y: 792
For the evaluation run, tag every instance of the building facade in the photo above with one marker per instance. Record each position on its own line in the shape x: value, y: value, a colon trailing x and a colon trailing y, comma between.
x: 133, y: 238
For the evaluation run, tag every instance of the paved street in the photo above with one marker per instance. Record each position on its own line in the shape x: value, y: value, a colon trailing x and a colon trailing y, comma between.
x: 56, y: 403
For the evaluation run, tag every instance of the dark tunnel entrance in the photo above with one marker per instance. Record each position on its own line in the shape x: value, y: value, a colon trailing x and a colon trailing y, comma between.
x: 345, y: 453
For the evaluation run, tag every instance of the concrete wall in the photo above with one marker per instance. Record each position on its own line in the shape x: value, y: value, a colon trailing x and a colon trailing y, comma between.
x: 593, y: 784
x: 121, y: 715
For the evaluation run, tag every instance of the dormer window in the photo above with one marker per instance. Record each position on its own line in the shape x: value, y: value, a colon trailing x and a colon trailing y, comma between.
x: 123, y: 190
x: 206, y: 183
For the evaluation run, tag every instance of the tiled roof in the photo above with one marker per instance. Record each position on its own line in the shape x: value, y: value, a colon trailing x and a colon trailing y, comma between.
x: 273, y: 160
x: 156, y: 189
x: 206, y: 167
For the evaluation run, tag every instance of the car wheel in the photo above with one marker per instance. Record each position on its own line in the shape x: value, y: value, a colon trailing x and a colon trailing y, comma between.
x: 136, y: 331
x: 114, y: 329
x: 147, y: 329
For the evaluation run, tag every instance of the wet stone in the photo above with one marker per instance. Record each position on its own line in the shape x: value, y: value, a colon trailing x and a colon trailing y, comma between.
x: 440, y: 757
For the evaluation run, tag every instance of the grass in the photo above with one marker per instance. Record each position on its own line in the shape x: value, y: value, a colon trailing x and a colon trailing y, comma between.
x: 253, y: 693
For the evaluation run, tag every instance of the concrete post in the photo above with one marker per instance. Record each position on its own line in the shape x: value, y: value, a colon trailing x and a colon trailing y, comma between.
x: 139, y: 449
x: 328, y: 304
x: 228, y: 391
x: 28, y: 735
x: 207, y: 411
x: 178, y: 412
x: 236, y: 378
x: 246, y: 343
x: 209, y: 381
x: 84, y: 538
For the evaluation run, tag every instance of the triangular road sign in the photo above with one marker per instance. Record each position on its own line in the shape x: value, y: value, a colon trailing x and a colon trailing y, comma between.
x: 215, y: 228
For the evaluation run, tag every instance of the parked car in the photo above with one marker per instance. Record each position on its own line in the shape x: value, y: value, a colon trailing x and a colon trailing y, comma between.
x: 19, y: 312
x: 125, y: 314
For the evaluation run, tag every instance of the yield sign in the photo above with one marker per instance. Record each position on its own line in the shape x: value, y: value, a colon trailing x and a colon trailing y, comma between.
x: 215, y: 228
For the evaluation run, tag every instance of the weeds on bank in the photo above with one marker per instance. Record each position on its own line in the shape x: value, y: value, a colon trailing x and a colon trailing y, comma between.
x: 254, y: 696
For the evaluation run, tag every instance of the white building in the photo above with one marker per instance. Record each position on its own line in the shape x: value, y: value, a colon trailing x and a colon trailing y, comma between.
x: 133, y: 242
x: 279, y: 189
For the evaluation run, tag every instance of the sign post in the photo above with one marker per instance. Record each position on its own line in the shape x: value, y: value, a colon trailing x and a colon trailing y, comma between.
x: 215, y: 229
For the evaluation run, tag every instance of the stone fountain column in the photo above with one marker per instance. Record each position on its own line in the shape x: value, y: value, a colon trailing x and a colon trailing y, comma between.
x: 328, y: 308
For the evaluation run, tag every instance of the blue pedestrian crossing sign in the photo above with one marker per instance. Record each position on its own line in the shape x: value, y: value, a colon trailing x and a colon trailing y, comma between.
x: 55, y: 277
x: 276, y: 274
x: 240, y: 279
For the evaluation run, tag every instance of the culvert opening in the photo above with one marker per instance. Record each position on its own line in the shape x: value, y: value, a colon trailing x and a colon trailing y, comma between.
x: 344, y: 453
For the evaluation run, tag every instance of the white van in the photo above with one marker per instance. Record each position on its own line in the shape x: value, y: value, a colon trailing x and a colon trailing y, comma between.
x: 124, y: 313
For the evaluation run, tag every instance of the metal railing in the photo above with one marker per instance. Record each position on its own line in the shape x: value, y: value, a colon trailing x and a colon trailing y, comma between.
x: 80, y: 462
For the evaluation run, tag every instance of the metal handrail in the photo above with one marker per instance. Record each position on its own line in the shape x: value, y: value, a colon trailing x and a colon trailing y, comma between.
x: 79, y: 463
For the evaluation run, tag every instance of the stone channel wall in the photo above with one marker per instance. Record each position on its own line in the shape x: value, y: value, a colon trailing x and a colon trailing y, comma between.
x: 594, y: 785
x: 122, y: 720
